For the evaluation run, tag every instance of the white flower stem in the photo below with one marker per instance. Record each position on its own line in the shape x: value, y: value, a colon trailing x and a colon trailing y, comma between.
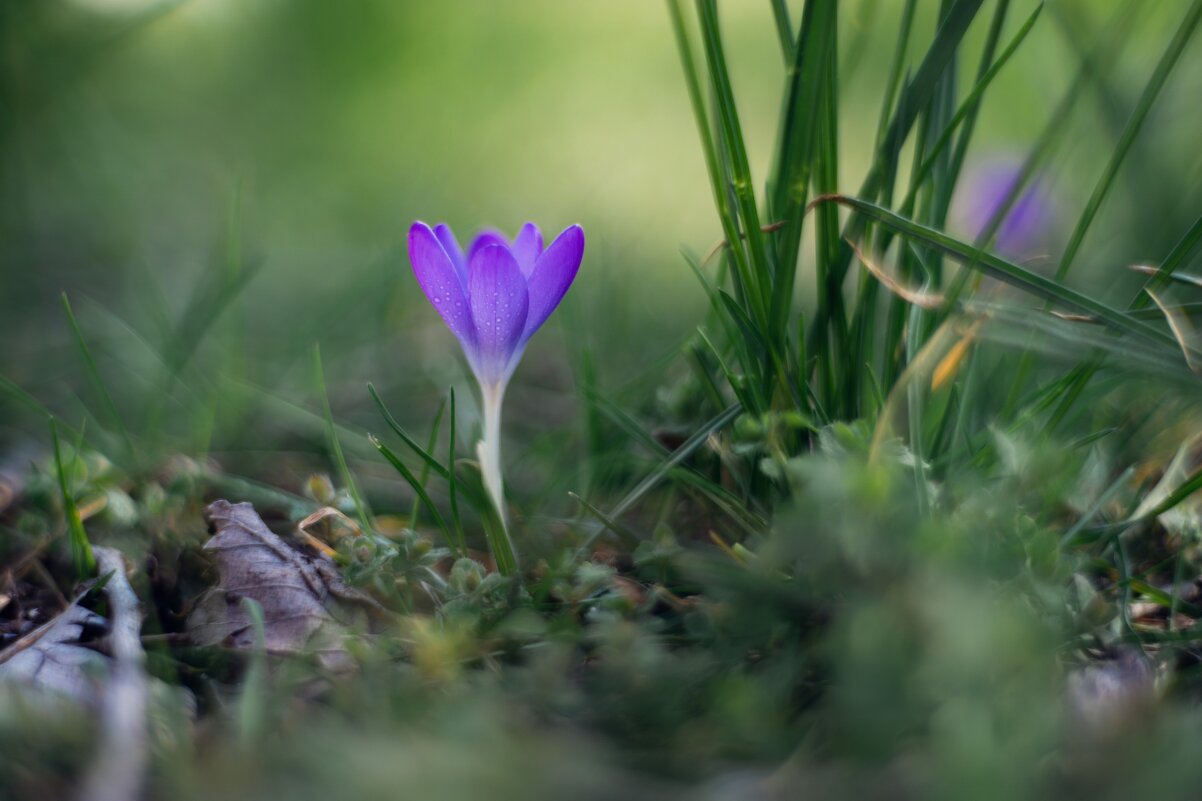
x: 488, y: 450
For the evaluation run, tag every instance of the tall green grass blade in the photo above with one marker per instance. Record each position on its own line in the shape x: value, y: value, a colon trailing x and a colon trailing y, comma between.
x: 755, y: 264
x: 917, y: 94
x: 750, y: 395
x: 732, y: 380
x: 916, y: 408
x: 335, y: 446
x: 920, y: 90
x: 453, y: 480
x: 424, y: 474
x: 962, y: 120
x: 795, y: 150
x: 429, y: 460
x: 473, y: 494
x: 987, y: 68
x: 1101, y: 56
x: 825, y: 178
x: 418, y: 488
x: 896, y: 70
x: 784, y: 30
x: 709, y: 148
x: 111, y: 415
x: 1140, y: 114
x: 252, y: 701
x: 83, y: 562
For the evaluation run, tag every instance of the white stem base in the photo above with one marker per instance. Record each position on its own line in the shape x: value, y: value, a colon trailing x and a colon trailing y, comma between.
x: 488, y: 450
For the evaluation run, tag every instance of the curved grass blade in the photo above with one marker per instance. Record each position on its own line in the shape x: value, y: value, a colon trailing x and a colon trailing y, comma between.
x: 418, y: 489
x: 1003, y: 270
x: 430, y: 461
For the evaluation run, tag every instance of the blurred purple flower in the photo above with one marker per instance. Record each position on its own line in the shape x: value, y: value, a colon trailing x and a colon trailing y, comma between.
x: 500, y: 293
x: 1027, y: 221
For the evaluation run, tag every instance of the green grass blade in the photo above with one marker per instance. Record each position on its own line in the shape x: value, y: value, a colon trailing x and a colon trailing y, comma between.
x: 425, y: 456
x: 732, y: 506
x: 83, y: 561
x: 335, y: 446
x: 677, y: 456
x: 795, y: 149
x: 1151, y: 91
x: 1005, y: 271
x: 1167, y: 271
x: 418, y: 489
x: 916, y: 96
x: 14, y: 391
x: 784, y: 30
x: 473, y: 494
x: 453, y: 480
x: 921, y: 88
x: 113, y: 417
x: 424, y: 474
x: 896, y: 70
x: 988, y: 66
x: 713, y: 161
x: 252, y: 701
x: 758, y: 277
x: 962, y: 119
x: 607, y: 523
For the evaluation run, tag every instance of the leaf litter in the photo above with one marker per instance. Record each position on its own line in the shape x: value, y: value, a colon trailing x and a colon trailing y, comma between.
x: 307, y: 606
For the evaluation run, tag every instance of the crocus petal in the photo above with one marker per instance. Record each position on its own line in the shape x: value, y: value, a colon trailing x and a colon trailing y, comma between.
x: 553, y: 274
x: 437, y: 277
x: 451, y: 245
x: 489, y: 236
x: 527, y: 247
x: 499, y: 304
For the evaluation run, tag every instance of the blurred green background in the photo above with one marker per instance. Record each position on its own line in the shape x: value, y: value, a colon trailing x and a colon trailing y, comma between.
x: 150, y: 151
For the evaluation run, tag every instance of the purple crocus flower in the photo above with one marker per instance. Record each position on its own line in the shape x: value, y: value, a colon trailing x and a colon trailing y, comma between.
x: 1027, y: 221
x: 500, y: 293
x: 493, y: 299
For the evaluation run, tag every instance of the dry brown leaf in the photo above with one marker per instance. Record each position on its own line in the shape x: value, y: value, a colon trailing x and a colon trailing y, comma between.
x: 307, y: 607
x: 1106, y: 696
x: 51, y: 658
